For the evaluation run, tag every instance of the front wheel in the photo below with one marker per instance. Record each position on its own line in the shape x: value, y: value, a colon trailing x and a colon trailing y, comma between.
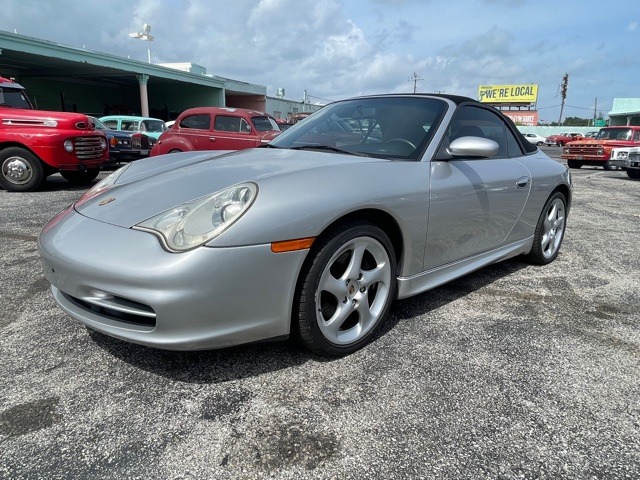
x: 573, y: 164
x: 80, y: 178
x: 20, y: 170
x: 635, y: 174
x: 345, y: 289
x: 549, y: 230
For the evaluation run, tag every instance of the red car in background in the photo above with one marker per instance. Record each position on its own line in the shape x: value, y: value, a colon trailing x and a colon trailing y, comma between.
x: 217, y: 128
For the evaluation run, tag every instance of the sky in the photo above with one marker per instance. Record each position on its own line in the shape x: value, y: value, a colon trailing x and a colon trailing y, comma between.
x: 335, y: 49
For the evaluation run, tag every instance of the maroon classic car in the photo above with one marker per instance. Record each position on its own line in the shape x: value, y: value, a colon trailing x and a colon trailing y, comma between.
x: 217, y: 128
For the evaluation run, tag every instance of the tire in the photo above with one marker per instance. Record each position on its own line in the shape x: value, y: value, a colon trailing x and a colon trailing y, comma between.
x: 635, y: 174
x: 341, y: 301
x: 549, y: 232
x: 560, y: 144
x: 20, y: 170
x: 175, y: 150
x: 573, y: 164
x: 80, y: 178
x: 607, y: 166
x: 540, y: 144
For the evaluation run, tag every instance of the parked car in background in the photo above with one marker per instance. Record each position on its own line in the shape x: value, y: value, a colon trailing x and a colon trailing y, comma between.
x: 627, y: 158
x: 36, y: 143
x: 314, y: 235
x: 564, y: 138
x: 597, y: 151
x: 550, y: 141
x: 124, y: 146
x: 217, y: 128
x: 535, y: 138
x: 152, y: 127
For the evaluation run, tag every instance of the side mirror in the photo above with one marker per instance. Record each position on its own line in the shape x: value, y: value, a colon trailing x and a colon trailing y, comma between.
x: 473, y: 147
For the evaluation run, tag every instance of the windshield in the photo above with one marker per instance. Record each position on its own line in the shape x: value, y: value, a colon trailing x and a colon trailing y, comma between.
x: 384, y: 127
x: 152, y: 126
x: 614, y: 134
x: 98, y: 125
x: 14, y: 98
x: 265, y: 124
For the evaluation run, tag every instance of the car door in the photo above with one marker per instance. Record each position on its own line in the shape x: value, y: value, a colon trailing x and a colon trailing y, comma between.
x: 475, y: 202
x: 195, y: 130
x: 232, y: 132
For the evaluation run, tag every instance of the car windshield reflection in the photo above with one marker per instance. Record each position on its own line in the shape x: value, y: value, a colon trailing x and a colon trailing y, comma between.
x: 396, y: 127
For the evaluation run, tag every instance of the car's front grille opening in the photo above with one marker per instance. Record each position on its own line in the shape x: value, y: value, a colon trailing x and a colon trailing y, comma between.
x: 119, y: 315
x: 88, y: 148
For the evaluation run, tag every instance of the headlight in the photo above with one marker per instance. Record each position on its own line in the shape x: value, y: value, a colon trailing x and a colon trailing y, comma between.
x: 103, y: 143
x: 195, y: 223
x: 565, y: 150
x: 68, y: 145
x: 622, y: 155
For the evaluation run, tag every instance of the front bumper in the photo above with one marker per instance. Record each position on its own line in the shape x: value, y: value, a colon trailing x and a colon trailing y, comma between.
x: 122, y: 283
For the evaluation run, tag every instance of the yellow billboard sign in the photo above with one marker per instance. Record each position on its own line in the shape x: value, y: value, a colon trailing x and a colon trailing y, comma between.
x: 508, y: 93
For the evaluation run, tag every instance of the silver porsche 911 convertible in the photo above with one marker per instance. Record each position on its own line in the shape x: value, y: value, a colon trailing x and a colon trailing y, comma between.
x: 313, y: 235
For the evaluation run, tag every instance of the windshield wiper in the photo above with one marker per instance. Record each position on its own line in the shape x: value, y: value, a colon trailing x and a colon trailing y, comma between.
x: 327, y: 147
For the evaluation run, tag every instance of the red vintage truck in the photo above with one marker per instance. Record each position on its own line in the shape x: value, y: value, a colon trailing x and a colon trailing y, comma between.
x: 597, y: 151
x: 35, y: 144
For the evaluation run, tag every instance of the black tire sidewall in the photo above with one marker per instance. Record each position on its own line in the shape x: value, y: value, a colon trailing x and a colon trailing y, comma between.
x: 326, y: 246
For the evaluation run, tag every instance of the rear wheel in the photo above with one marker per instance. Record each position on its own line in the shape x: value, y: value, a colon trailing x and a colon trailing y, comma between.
x: 80, y: 178
x: 635, y: 174
x: 574, y: 164
x: 345, y: 289
x: 560, y: 144
x: 549, y: 230
x: 20, y: 170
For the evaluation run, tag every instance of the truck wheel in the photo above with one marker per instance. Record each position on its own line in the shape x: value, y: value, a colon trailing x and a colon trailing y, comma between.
x: 608, y: 166
x: 80, y: 178
x: 635, y: 174
x: 573, y: 164
x: 560, y: 144
x: 20, y: 170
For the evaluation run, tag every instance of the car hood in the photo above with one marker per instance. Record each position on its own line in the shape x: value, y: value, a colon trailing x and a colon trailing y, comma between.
x: 65, y: 120
x: 151, y: 186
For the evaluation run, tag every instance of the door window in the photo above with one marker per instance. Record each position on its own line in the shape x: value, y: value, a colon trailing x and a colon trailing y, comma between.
x: 481, y: 122
x: 198, y: 122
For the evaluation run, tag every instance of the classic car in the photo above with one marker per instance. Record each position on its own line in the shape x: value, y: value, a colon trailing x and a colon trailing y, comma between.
x: 628, y: 159
x: 312, y: 235
x: 152, y: 127
x: 597, y: 151
x: 564, y: 138
x: 123, y: 146
x: 217, y: 128
x: 535, y: 138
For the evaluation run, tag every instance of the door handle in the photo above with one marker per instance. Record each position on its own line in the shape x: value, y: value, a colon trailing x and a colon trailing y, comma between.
x: 522, y: 182
x: 212, y: 139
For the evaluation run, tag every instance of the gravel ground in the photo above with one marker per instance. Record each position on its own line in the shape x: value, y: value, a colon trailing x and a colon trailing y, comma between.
x: 512, y: 372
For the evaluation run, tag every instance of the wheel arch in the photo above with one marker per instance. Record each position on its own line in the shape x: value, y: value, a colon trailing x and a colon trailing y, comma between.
x: 379, y: 218
x: 566, y: 191
x: 11, y: 144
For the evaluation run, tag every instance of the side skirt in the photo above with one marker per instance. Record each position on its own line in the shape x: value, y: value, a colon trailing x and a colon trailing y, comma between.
x: 409, y: 286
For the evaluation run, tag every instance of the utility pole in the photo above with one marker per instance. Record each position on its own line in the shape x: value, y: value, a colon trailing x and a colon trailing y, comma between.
x: 595, y: 110
x: 563, y: 94
x: 415, y: 80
